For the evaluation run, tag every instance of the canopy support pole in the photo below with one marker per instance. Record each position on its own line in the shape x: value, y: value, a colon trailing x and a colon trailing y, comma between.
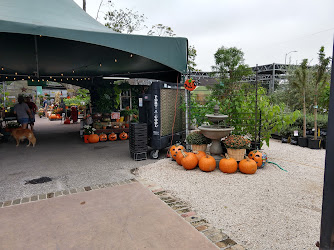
x: 36, y: 54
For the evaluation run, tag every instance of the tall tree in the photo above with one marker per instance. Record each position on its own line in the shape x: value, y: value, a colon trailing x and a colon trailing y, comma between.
x: 320, y: 77
x: 192, y: 53
x: 124, y: 21
x: 160, y: 30
x: 300, y: 80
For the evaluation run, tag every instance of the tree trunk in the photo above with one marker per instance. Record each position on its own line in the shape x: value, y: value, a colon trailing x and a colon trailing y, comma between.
x: 315, y: 115
x: 304, y: 115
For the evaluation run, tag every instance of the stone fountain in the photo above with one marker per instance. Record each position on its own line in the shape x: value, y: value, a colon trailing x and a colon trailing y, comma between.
x: 216, y: 131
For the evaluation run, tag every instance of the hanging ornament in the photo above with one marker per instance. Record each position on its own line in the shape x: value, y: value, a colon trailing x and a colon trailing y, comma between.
x: 190, y: 84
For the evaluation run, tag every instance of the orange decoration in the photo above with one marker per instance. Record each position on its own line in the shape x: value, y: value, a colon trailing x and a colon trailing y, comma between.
x: 190, y: 84
x: 93, y: 138
x: 103, y: 137
x: 257, y: 157
x: 207, y: 163
x: 228, y: 165
x: 174, y: 149
x: 86, y: 138
x: 189, y: 160
x: 200, y: 154
x: 247, y: 166
x: 179, y: 157
x: 123, y: 136
x: 112, y: 137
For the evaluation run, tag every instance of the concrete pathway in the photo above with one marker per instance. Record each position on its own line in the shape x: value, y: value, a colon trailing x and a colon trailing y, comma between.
x: 62, y: 155
x: 121, y: 217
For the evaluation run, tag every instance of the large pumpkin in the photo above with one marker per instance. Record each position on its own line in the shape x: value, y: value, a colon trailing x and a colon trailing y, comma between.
x: 247, y: 166
x: 93, y: 138
x: 112, y: 137
x: 103, y: 137
x: 179, y: 157
x: 174, y: 149
x: 123, y: 136
x: 207, y: 163
x: 53, y: 116
x: 200, y: 154
x: 228, y: 165
x: 189, y: 160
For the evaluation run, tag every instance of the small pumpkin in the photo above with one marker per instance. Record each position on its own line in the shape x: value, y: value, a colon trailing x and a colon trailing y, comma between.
x: 53, y: 116
x: 93, y: 138
x: 123, y: 136
x: 103, y: 137
x: 247, y: 166
x: 174, y: 149
x: 112, y: 137
x: 189, y: 160
x: 200, y: 154
x: 207, y: 163
x: 228, y: 165
x: 259, y: 157
x: 179, y: 157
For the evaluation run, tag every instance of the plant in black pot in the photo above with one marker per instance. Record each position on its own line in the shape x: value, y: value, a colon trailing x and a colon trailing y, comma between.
x: 294, y: 133
x: 285, y: 134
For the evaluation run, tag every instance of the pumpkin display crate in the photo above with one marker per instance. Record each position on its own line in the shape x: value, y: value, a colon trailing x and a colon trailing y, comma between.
x: 157, y: 110
x: 138, y: 141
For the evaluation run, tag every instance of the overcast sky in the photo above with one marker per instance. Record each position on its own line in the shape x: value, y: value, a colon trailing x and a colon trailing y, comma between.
x: 264, y: 30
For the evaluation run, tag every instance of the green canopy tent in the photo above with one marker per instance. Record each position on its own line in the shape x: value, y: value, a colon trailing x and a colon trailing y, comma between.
x: 47, y: 40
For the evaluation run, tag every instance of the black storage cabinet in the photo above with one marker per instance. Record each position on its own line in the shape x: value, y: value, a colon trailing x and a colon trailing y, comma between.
x: 157, y: 110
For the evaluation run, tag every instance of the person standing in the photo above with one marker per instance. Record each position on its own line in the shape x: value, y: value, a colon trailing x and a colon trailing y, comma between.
x: 45, y: 106
x: 33, y: 109
x: 22, y: 112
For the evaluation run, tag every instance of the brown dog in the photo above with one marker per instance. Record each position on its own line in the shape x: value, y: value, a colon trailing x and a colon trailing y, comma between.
x: 20, y: 134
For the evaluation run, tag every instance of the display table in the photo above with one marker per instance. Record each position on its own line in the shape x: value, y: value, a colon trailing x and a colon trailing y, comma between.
x: 110, y: 130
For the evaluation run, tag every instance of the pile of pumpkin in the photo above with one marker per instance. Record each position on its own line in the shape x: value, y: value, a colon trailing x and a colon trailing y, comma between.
x: 53, y: 117
x: 190, y: 160
x: 94, y: 138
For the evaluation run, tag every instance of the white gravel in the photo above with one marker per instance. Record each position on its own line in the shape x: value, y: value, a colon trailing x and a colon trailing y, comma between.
x: 271, y: 209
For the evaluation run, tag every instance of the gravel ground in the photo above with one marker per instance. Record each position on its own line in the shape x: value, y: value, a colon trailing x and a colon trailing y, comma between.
x: 271, y: 209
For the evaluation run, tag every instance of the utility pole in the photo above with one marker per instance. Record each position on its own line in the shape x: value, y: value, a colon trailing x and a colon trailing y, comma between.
x: 84, y: 5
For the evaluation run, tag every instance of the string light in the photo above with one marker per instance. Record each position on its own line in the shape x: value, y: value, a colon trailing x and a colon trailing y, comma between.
x: 28, y: 77
x: 32, y: 80
x: 6, y: 77
x: 88, y: 78
x: 54, y: 79
x: 131, y: 55
x: 85, y: 78
x: 22, y: 79
x: 16, y: 73
x: 61, y: 80
x: 100, y: 64
x: 38, y: 80
x: 47, y: 80
x: 14, y: 78
x: 50, y: 77
x: 62, y: 74
x: 2, y: 68
x: 72, y: 79
x: 43, y: 80
x: 72, y: 71
x: 66, y: 78
x: 115, y: 60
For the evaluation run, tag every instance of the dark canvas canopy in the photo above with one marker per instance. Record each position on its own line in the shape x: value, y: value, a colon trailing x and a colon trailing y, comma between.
x: 56, y: 40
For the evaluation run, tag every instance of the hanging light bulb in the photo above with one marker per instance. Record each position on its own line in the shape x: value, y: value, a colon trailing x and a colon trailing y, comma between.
x: 28, y: 77
x: 50, y: 77
x: 38, y: 80
x: 115, y: 60
x: 16, y: 73
x: 14, y: 78
x: 61, y: 80
x: 73, y: 71
x: 100, y: 64
x: 62, y: 74
x: 6, y: 77
x: 131, y: 55
x: 2, y: 68
x: 43, y: 80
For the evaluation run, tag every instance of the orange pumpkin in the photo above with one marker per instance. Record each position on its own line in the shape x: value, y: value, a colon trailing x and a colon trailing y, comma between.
x: 103, y: 137
x: 174, y: 149
x: 189, y: 160
x: 228, y: 165
x: 179, y: 157
x: 112, y: 137
x: 93, y: 138
x: 53, y: 116
x: 200, y: 154
x: 247, y: 166
x: 123, y: 136
x: 189, y: 84
x: 207, y: 163
x: 257, y: 157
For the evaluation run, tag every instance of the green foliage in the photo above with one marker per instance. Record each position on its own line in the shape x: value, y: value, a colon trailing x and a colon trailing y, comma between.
x: 108, y: 99
x: 81, y: 98
x: 160, y: 30
x: 192, y: 53
x: 197, y: 138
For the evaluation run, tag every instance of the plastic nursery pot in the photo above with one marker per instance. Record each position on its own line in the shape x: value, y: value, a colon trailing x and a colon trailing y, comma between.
x: 294, y: 140
x: 314, y: 143
x: 285, y: 139
x: 303, y: 141
x: 323, y: 143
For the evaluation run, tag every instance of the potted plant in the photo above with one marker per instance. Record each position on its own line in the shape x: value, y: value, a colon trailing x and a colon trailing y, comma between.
x: 320, y: 78
x: 236, y: 146
x: 88, y: 130
x: 294, y: 133
x: 197, y: 141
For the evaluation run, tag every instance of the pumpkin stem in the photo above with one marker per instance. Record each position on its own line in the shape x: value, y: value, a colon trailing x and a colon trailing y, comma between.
x: 226, y: 156
x: 183, y: 153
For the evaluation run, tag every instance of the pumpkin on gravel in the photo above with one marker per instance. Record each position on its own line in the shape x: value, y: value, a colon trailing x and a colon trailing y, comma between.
x: 174, y: 149
x: 200, y: 154
x: 247, y: 166
x: 228, y: 165
x: 189, y: 160
x: 207, y: 163
x: 179, y: 157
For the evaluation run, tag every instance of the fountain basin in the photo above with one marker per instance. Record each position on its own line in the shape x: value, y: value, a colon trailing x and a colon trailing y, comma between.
x: 215, y: 133
x: 216, y: 118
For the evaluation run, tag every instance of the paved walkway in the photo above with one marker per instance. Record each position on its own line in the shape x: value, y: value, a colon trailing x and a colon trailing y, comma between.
x: 128, y: 216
